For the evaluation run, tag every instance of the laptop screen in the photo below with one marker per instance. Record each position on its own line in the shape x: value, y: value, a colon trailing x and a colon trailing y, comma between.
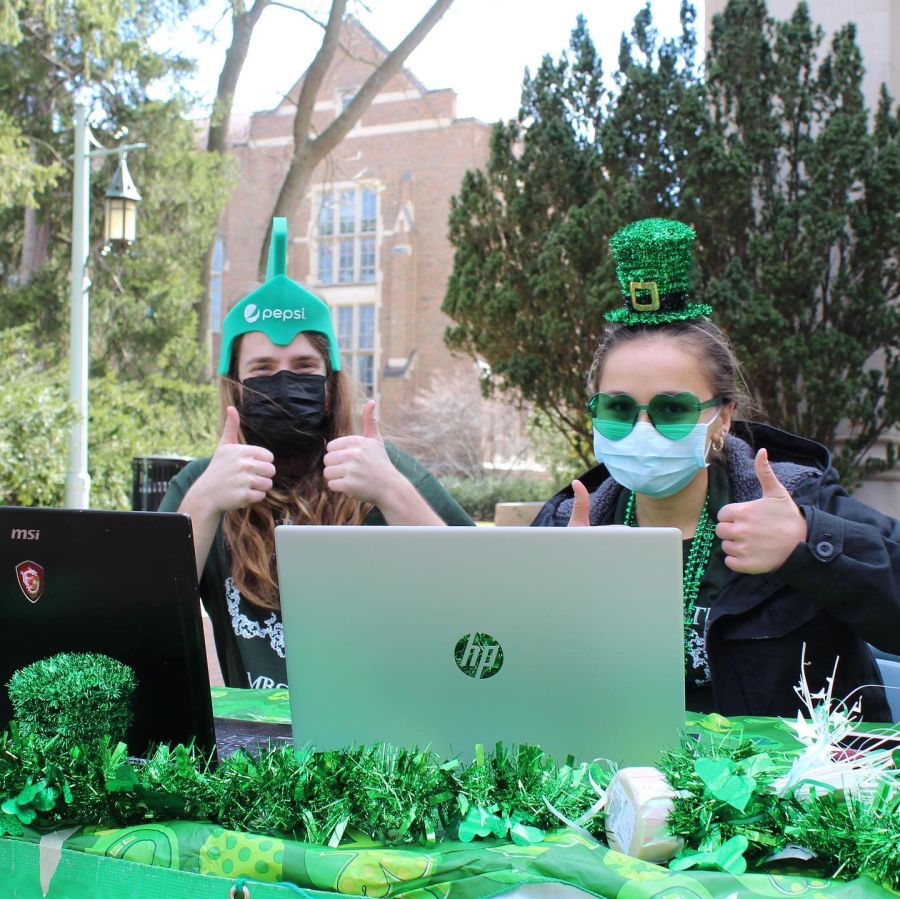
x: 118, y: 583
x: 571, y: 639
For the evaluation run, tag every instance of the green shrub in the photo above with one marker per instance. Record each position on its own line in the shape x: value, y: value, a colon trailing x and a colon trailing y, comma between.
x: 126, y: 419
x: 129, y: 419
x: 479, y: 496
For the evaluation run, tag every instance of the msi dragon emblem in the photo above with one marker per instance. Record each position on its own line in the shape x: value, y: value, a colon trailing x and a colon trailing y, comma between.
x: 30, y: 576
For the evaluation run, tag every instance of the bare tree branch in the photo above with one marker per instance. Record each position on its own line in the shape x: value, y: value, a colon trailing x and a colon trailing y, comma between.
x: 302, y: 12
x: 392, y: 64
x: 314, y: 76
x: 309, y: 152
x: 243, y: 22
x: 235, y: 57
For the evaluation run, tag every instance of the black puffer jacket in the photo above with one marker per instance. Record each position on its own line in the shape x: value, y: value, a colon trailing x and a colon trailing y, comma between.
x: 836, y: 592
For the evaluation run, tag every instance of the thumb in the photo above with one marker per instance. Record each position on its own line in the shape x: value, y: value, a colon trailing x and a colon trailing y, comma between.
x: 232, y: 425
x: 768, y: 480
x: 370, y: 424
x: 581, y: 511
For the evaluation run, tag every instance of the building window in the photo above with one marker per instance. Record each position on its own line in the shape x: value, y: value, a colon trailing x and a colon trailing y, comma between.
x: 356, y: 342
x: 346, y: 228
x: 367, y: 260
x: 348, y: 211
x: 215, y: 284
x: 368, y: 209
x: 326, y: 262
x: 344, y: 97
x: 345, y: 261
x: 326, y: 215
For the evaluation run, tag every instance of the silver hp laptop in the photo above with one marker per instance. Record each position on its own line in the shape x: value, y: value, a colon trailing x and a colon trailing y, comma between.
x: 570, y: 639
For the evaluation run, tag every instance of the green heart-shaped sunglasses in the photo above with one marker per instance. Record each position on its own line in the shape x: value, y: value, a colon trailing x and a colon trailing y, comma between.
x: 674, y: 415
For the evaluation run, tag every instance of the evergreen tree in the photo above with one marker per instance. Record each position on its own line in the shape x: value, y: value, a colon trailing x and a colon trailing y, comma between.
x: 142, y: 302
x: 772, y: 158
x: 800, y: 253
x: 21, y: 176
x: 144, y: 355
x: 532, y: 273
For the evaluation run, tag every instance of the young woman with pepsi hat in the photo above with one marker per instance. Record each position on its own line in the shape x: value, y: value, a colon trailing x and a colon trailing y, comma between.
x: 289, y: 454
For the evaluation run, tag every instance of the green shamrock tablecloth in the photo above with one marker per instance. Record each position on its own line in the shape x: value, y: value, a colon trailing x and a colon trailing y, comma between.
x: 181, y: 859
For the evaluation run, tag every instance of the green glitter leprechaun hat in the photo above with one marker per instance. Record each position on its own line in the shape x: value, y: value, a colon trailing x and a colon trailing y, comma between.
x: 281, y: 308
x: 653, y: 263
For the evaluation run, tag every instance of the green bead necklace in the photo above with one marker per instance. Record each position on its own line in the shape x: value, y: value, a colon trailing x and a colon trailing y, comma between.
x: 694, y: 568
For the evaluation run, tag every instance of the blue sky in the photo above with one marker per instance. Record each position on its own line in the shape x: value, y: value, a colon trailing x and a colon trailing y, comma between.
x: 480, y: 48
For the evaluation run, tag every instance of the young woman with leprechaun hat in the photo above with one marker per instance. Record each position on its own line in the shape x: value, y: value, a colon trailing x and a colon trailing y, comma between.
x: 288, y: 454
x: 776, y: 554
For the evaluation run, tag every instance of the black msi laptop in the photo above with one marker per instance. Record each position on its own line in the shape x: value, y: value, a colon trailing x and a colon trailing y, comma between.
x: 119, y: 583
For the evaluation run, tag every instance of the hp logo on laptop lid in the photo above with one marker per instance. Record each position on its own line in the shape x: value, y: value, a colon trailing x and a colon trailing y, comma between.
x: 478, y: 655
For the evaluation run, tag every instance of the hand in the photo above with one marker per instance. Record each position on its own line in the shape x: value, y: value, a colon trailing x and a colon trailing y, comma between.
x: 359, y: 465
x: 581, y: 511
x: 759, y: 536
x: 238, y: 474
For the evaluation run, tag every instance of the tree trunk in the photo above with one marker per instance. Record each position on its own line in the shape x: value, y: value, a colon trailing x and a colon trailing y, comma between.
x: 35, y: 245
x: 309, y: 152
x: 217, y: 142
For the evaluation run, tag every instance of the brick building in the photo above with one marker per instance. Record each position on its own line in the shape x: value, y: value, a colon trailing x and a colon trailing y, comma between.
x: 370, y: 236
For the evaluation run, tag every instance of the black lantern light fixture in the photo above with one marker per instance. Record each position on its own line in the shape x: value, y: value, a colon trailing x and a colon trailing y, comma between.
x: 120, y: 208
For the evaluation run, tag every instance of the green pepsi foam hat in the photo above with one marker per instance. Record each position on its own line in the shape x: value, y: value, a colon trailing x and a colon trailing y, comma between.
x: 281, y: 309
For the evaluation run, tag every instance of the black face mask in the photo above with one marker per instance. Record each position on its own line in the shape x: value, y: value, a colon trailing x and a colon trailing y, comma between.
x: 284, y: 412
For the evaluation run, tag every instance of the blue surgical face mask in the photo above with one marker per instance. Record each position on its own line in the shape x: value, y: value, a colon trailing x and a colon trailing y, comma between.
x: 648, y: 463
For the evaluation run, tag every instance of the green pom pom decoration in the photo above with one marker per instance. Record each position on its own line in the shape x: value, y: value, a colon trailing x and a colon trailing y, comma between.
x: 80, y: 697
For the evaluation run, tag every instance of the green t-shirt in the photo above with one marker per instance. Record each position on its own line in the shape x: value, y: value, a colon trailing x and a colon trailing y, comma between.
x: 249, y: 639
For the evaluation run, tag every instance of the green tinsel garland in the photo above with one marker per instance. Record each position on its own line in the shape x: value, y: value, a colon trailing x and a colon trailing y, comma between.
x: 64, y: 761
x: 726, y: 808
x: 405, y: 796
x: 856, y: 838
x: 724, y: 791
x: 848, y: 838
x: 393, y: 795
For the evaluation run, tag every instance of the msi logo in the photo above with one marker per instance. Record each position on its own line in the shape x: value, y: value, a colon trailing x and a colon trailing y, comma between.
x: 26, y: 534
x: 30, y: 576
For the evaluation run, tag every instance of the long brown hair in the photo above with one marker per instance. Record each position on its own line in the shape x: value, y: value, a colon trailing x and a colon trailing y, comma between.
x: 299, y: 494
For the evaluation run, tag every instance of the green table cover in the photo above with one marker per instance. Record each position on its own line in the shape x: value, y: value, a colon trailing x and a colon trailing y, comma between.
x: 178, y: 859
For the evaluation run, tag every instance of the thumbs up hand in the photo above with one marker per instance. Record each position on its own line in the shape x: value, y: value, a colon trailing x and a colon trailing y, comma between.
x: 358, y: 465
x: 581, y: 511
x: 370, y: 423
x: 238, y: 474
x: 759, y: 536
x: 232, y: 426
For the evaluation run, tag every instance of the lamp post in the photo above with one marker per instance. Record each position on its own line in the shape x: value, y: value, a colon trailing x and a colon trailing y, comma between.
x: 121, y: 203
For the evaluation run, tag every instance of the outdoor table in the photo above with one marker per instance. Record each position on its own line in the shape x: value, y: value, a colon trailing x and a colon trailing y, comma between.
x: 198, y: 860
